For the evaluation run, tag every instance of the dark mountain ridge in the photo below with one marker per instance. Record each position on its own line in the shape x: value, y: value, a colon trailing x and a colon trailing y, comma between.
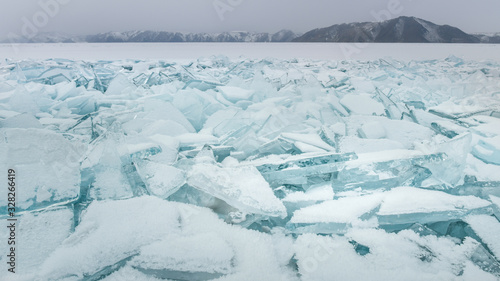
x: 398, y: 30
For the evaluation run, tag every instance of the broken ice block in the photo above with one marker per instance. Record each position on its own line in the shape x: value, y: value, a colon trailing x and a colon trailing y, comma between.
x: 191, y: 141
x: 220, y: 152
x: 281, y: 162
x: 198, y: 257
x: 362, y: 104
x: 139, y: 150
x: 393, y: 110
x: 46, y: 167
x: 410, y: 205
x: 160, y: 110
x: 386, y: 169
x: 234, y: 94
x: 488, y: 150
x: 321, y: 192
x: 99, y: 249
x: 334, y: 216
x: 481, y: 189
x: 278, y: 146
x: 42, y: 230
x: 109, y: 179
x: 297, y: 199
x: 372, y: 130
x: 447, y: 128
x: 21, y: 121
x: 241, y: 187
x: 488, y: 229
x: 202, y: 85
x: 405, y: 132
x: 312, y: 140
x: 161, y: 180
x: 285, y: 169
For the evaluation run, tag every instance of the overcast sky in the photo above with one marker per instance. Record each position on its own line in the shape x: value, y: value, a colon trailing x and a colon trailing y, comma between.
x: 93, y: 16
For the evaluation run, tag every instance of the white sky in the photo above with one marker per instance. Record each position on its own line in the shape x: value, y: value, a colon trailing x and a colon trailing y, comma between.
x: 83, y: 17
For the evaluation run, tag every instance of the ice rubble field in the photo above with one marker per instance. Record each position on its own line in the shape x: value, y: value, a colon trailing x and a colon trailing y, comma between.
x: 252, y: 169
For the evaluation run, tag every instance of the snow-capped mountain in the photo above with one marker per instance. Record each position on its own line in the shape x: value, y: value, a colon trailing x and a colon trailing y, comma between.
x: 163, y: 36
x: 44, y: 37
x: 401, y: 29
x: 489, y: 37
x: 157, y: 36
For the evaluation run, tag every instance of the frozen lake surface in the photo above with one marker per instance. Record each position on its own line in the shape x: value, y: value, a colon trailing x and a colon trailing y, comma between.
x: 187, y: 51
x: 301, y: 162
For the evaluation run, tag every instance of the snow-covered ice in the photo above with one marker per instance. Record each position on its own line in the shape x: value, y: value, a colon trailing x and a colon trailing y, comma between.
x: 235, y: 168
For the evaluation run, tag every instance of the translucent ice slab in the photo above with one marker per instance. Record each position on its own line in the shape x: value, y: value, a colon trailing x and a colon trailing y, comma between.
x: 241, y: 187
x: 161, y: 180
x: 488, y: 229
x: 488, y: 150
x: 409, y: 205
x: 99, y: 248
x: 46, y: 167
x: 283, y: 169
x: 42, y: 230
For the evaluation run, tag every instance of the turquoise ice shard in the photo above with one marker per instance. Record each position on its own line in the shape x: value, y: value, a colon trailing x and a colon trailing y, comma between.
x: 393, y: 110
x: 110, y: 181
x: 488, y: 150
x: 414, y: 205
x: 46, y: 167
x: 242, y: 187
x: 399, y: 206
x: 482, y: 189
x: 449, y: 172
x: 386, y: 169
x: 296, y: 169
x: 277, y: 146
x: 161, y: 110
x: 447, y: 128
x: 161, y: 180
x: 138, y: 151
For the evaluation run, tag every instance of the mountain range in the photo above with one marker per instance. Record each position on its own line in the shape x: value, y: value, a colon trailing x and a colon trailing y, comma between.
x: 398, y: 30
x: 159, y: 36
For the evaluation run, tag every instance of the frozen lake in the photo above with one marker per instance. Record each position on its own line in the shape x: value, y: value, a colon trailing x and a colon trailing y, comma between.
x: 151, y: 163
x: 189, y: 51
